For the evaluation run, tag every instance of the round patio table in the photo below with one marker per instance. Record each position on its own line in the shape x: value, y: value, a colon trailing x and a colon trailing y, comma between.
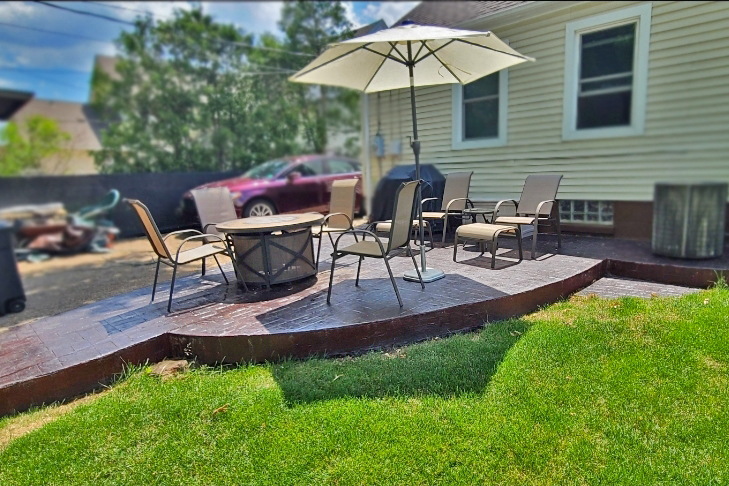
x: 269, y: 250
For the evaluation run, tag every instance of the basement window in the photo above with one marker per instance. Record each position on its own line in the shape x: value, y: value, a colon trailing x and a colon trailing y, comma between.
x: 586, y: 212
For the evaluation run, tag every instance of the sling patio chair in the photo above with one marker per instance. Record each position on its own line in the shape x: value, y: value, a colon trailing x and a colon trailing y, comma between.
x: 400, y: 231
x: 341, y: 212
x: 164, y: 255
x: 534, y: 207
x: 214, y: 206
x: 455, y: 199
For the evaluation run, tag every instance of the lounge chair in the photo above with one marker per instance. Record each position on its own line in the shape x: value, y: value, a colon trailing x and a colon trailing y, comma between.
x: 455, y: 199
x: 534, y: 207
x: 341, y: 212
x: 399, y: 237
x: 181, y: 257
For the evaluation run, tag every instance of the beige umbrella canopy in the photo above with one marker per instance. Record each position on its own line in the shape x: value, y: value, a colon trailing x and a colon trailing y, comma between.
x: 411, y: 55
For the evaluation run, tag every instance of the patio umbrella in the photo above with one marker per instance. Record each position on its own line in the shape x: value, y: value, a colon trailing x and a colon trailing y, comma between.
x: 411, y: 55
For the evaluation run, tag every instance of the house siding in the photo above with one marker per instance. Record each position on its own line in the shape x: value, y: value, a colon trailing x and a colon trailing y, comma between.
x: 687, y: 121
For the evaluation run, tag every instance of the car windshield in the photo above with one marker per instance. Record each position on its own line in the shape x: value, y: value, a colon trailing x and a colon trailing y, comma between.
x: 267, y: 170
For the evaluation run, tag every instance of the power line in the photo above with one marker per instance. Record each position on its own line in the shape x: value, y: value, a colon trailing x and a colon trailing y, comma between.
x: 90, y: 14
x: 55, y: 33
x: 112, y: 19
x: 125, y: 8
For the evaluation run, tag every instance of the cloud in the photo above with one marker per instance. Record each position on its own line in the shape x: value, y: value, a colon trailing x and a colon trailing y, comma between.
x: 390, y: 12
x: 254, y: 17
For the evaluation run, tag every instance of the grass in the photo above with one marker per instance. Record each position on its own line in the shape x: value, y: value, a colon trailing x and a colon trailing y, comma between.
x: 587, y: 391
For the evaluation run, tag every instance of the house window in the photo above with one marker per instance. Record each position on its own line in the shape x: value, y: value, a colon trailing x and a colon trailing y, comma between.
x: 479, y: 112
x: 587, y: 212
x: 481, y: 108
x: 606, y: 72
x: 606, y: 77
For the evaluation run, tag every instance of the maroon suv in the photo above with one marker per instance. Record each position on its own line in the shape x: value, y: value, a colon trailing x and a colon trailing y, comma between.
x: 288, y: 185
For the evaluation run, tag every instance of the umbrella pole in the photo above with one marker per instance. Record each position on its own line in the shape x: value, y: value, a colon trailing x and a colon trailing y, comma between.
x: 428, y: 274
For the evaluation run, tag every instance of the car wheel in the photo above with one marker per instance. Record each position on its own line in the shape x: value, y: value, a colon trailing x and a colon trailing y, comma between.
x: 259, y: 207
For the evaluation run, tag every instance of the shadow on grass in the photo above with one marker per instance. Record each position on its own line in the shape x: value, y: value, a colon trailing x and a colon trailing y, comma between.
x: 449, y: 367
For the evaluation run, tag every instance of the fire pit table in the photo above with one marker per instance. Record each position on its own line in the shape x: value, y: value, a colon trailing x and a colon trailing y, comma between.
x: 269, y: 250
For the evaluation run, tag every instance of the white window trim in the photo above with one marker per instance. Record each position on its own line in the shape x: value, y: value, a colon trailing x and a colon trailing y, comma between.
x: 642, y: 13
x: 457, y: 142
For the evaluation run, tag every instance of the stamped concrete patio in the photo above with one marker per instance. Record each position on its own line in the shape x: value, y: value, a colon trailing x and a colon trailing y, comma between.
x: 62, y: 356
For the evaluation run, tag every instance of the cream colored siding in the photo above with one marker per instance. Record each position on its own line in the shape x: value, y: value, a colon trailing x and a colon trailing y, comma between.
x: 687, y: 120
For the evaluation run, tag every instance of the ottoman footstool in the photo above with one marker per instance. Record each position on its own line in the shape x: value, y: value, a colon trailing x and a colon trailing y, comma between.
x: 484, y: 233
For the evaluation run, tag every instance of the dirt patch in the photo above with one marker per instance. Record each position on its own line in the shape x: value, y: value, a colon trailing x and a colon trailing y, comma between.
x: 168, y: 368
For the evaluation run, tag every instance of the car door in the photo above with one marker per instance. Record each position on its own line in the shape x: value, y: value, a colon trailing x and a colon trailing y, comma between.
x: 303, y: 193
x: 341, y: 168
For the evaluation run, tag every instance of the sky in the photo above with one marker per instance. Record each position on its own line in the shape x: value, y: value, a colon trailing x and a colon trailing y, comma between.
x: 59, y: 67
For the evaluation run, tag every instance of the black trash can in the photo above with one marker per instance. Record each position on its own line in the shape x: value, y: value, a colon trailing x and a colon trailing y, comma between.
x: 12, y: 297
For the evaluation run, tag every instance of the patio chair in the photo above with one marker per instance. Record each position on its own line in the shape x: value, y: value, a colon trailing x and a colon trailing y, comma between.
x: 214, y: 206
x: 341, y: 212
x: 455, y: 199
x: 399, y: 237
x: 534, y: 206
x: 181, y: 257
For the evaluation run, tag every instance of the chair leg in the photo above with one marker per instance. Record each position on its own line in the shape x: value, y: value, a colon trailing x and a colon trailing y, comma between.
x: 455, y: 246
x: 445, y: 230
x: 172, y: 287
x: 156, y: 273
x: 392, y: 279
x: 534, y: 239
x: 417, y: 270
x: 359, y: 266
x: 221, y: 269
x: 318, y: 252
x: 203, y: 267
x: 331, y: 279
x: 494, y: 245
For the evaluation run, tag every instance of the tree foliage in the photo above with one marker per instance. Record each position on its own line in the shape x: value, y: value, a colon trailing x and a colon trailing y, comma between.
x: 185, y: 101
x: 191, y: 94
x: 23, y: 146
x: 310, y: 27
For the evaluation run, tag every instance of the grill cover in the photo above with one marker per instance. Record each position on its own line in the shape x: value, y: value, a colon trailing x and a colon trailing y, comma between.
x: 384, y: 197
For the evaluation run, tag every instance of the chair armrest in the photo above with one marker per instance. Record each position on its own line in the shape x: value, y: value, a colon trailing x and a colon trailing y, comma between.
x: 197, y: 237
x: 448, y: 207
x: 539, y: 207
x: 326, y: 218
x: 205, y: 228
x: 180, y: 232
x: 498, y: 205
x: 429, y: 199
x: 363, y: 233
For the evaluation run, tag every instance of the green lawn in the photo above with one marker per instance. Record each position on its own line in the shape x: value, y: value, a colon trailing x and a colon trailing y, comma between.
x: 587, y: 391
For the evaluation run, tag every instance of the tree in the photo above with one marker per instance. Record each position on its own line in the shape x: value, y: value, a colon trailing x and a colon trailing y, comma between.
x: 310, y: 27
x: 23, y: 147
x: 187, y: 99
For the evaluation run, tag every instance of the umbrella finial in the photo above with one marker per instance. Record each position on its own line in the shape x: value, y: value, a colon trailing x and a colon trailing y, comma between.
x: 407, y: 22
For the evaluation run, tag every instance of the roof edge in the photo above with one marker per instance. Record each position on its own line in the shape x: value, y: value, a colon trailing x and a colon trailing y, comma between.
x: 520, y: 12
